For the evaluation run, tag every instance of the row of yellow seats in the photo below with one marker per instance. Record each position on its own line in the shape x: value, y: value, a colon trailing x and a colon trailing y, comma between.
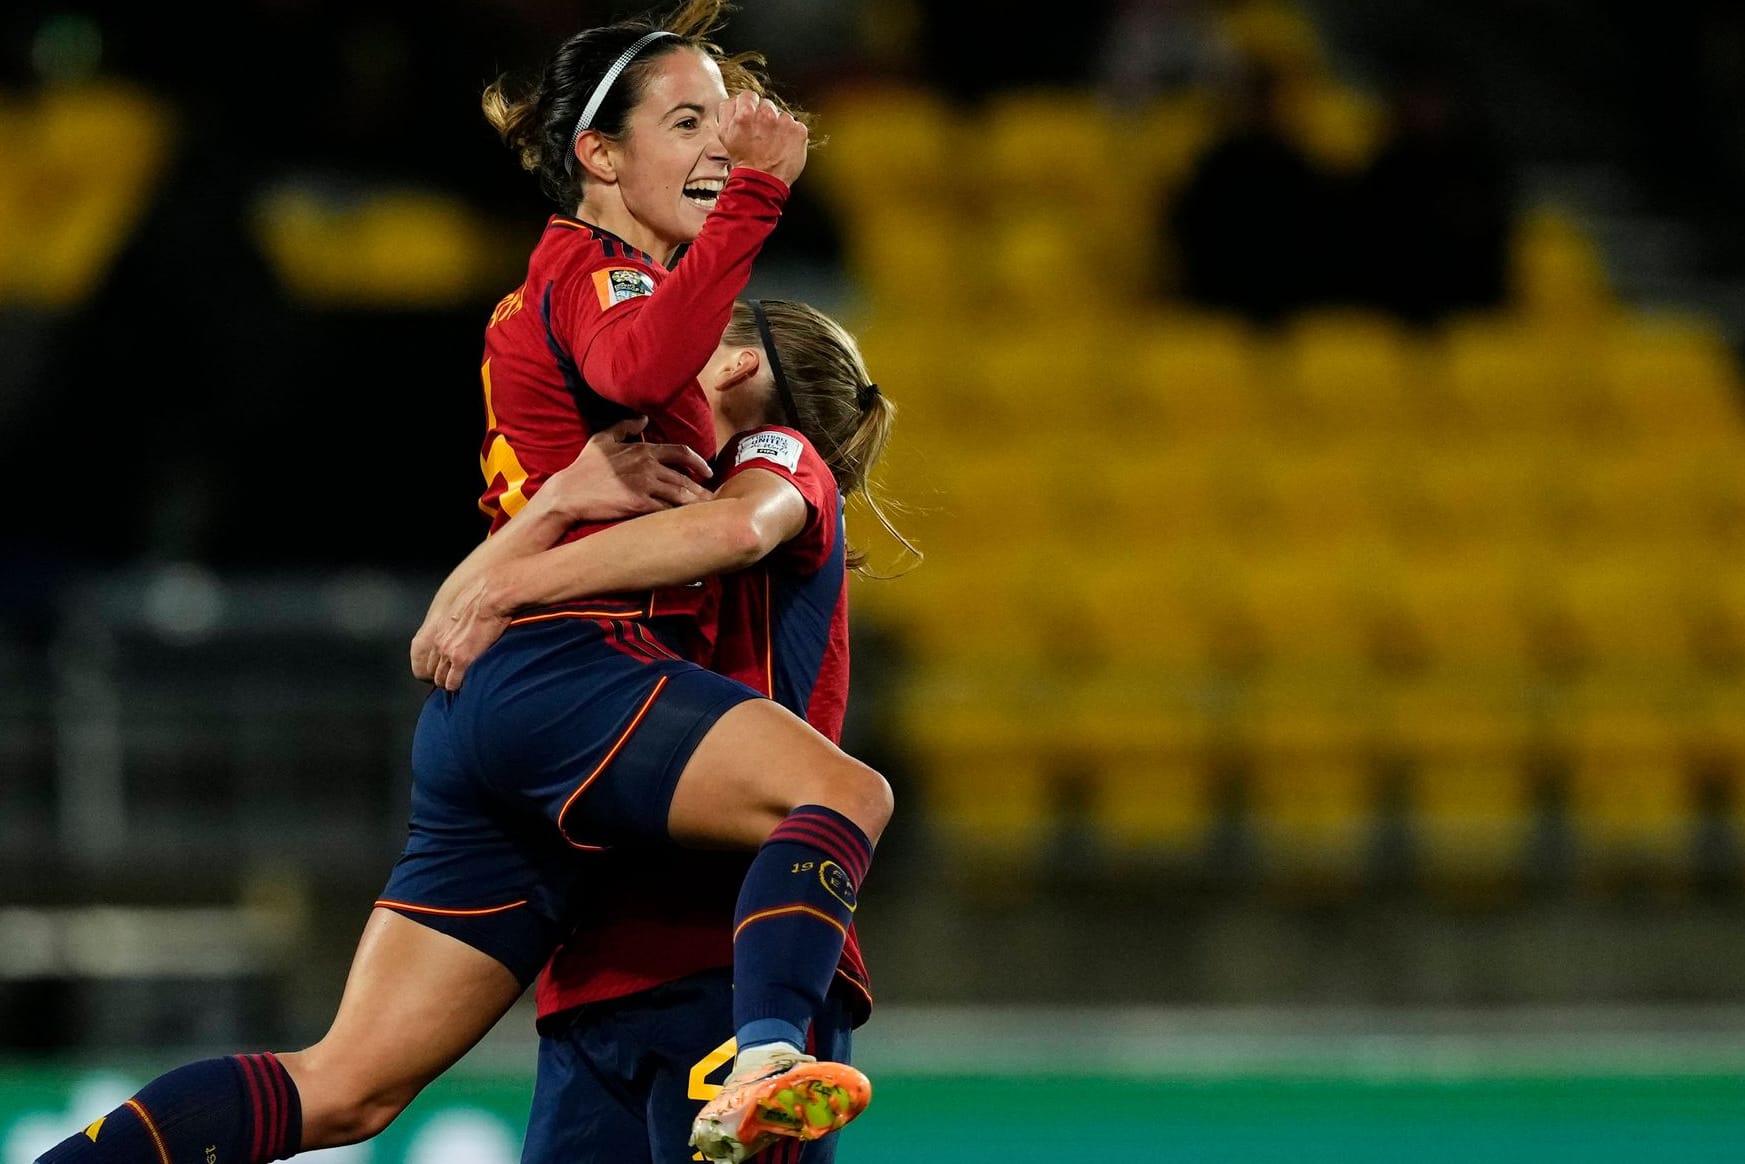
x: 909, y: 143
x: 1312, y: 766
x: 1255, y: 491
x: 1196, y: 612
x: 1041, y: 262
x: 1634, y: 379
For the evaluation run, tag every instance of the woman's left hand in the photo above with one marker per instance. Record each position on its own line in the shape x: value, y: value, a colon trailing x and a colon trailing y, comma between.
x: 453, y: 643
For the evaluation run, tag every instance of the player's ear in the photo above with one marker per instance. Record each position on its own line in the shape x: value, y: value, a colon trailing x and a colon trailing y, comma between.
x: 730, y: 367
x: 740, y: 366
x: 594, y: 155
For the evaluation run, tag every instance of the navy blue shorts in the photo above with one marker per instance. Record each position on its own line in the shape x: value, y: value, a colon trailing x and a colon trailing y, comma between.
x: 568, y: 734
x: 621, y: 1081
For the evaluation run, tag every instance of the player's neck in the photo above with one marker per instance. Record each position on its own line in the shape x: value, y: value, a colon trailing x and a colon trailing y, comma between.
x: 609, y: 214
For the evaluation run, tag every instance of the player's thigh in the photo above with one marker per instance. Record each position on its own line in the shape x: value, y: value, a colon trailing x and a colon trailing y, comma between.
x: 467, y: 871
x: 589, y: 726
x: 755, y: 765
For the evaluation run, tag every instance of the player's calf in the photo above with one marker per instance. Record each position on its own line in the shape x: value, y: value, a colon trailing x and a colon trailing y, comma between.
x: 242, y: 1109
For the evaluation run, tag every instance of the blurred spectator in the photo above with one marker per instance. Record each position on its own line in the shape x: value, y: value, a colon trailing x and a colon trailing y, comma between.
x: 972, y: 49
x: 810, y: 44
x: 1251, y: 221
x: 1153, y: 48
x: 1429, y: 219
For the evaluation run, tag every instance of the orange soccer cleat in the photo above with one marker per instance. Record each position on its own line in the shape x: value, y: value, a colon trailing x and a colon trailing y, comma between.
x: 790, y: 1095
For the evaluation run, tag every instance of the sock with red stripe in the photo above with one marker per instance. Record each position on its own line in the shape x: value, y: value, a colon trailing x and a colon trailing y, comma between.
x: 794, y: 908
x: 242, y: 1109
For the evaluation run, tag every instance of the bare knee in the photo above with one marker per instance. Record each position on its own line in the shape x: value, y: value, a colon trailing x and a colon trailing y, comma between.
x: 341, y: 1103
x: 859, y: 793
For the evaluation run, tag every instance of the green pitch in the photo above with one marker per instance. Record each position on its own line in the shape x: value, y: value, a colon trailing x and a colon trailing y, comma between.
x: 476, y: 1117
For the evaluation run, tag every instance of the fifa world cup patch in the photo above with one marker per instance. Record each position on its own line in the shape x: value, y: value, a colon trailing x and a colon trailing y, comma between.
x: 616, y: 284
x: 778, y: 447
x: 835, y: 879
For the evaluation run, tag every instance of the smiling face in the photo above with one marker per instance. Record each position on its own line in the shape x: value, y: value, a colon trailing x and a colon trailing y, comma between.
x: 656, y: 185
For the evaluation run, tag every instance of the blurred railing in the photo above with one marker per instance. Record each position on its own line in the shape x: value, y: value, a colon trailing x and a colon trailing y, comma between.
x: 205, y: 721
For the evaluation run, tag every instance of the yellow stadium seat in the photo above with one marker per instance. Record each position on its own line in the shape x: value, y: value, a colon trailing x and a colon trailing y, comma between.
x: 1624, y: 611
x: 1719, y: 490
x: 82, y: 164
x: 1045, y: 265
x: 1479, y: 496
x: 919, y: 364
x: 1199, y: 376
x: 986, y: 776
x: 1338, y: 125
x: 891, y: 147
x: 1648, y: 498
x: 902, y: 263
x: 1630, y: 791
x: 1502, y: 376
x: 1674, y: 379
x: 1140, y: 619
x: 1277, y: 33
x: 1462, y: 611
x: 992, y: 711
x: 1052, y: 145
x: 394, y: 247
x: 1718, y: 614
x: 1717, y: 736
x: 990, y: 506
x: 1467, y: 741
x: 1044, y: 388
x: 1322, y: 496
x: 1346, y: 372
x: 1052, y: 181
x: 1147, y: 748
x: 1558, y: 274
x: 1156, y: 502
x: 1167, y: 137
x: 1310, y: 799
x: 1308, y: 612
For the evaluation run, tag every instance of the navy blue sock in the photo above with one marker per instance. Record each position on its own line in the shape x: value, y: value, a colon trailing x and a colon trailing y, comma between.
x: 792, y: 918
x: 242, y: 1109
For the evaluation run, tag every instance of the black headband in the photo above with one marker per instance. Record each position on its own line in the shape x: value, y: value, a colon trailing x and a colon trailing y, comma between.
x: 775, y: 365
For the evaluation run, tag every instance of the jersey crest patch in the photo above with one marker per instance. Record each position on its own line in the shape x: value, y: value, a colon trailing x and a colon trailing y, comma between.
x: 616, y: 284
x: 778, y: 447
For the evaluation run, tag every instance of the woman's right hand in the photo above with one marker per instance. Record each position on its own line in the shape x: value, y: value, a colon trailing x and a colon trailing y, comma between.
x: 756, y: 132
x: 615, y: 477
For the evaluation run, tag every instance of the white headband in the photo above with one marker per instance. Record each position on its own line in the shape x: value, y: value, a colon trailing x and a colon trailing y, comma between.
x: 593, y: 105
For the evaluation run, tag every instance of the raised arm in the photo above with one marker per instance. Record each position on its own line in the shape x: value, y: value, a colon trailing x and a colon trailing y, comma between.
x: 649, y: 349
x: 750, y: 516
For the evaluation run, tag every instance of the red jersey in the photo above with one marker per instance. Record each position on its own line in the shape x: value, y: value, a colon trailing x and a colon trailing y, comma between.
x: 784, y: 623
x: 599, y: 332
x: 783, y: 630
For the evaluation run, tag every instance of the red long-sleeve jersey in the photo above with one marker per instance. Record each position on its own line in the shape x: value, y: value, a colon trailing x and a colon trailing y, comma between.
x: 599, y: 332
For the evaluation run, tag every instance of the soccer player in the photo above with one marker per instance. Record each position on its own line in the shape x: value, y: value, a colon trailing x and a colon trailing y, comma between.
x: 633, y: 1007
x: 407, y: 1014
x: 584, y: 727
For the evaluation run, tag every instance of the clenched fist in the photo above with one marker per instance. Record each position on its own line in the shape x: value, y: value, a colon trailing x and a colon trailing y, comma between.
x: 757, y: 133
